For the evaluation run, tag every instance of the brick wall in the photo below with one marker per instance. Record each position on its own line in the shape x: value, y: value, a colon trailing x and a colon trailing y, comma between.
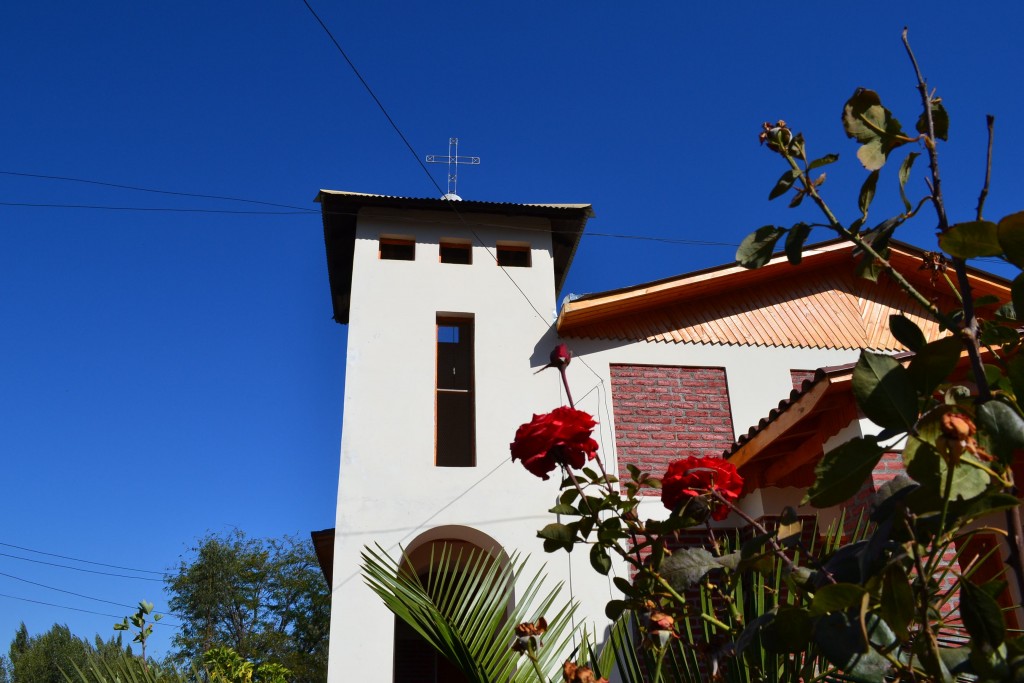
x: 666, y: 412
x: 887, y: 468
x: 799, y: 377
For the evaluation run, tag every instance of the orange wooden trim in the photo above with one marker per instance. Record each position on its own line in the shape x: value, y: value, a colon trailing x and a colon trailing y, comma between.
x: 585, y: 314
x: 796, y: 412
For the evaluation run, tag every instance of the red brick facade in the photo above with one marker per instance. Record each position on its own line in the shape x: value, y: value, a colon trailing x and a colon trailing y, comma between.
x: 799, y: 377
x: 666, y: 412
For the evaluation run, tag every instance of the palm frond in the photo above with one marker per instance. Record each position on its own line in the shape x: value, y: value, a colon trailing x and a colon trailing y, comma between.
x: 467, y: 610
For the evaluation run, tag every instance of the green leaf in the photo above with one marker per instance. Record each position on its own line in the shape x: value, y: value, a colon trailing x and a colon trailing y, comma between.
x: 795, y: 242
x: 836, y: 597
x: 842, y: 471
x: 468, y: 608
x: 625, y: 586
x: 614, y: 609
x: 907, y: 332
x: 599, y: 560
x: 1011, y: 238
x: 940, y: 119
x: 971, y: 240
x: 1002, y: 429
x: 685, y: 568
x: 563, y: 509
x: 884, y: 391
x: 934, y: 363
x: 888, y: 496
x: 867, y: 193
x: 897, y: 605
x: 557, y: 532
x: 871, y: 124
x: 968, y: 511
x: 981, y: 615
x: 784, y: 183
x: 798, y: 198
x: 1016, y: 375
x: 956, y: 659
x: 928, y: 468
x: 904, y: 175
x: 823, y: 161
x: 756, y: 248
x: 842, y: 642
x: 730, y: 560
x: 789, y: 631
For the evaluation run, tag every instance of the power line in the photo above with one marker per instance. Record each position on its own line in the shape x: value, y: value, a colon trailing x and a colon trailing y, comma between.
x: 153, y: 209
x: 80, y: 595
x: 136, y: 188
x: 366, y: 85
x: 81, y: 569
x: 305, y: 212
x: 76, y: 609
x: 78, y: 559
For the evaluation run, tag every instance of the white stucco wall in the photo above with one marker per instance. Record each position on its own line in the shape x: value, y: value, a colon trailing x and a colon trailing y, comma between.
x: 389, y: 491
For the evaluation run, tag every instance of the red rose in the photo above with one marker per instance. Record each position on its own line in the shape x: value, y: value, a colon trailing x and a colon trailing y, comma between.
x: 692, y: 477
x: 561, y: 437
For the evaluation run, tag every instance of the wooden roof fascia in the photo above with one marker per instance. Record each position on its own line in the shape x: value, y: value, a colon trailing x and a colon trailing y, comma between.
x: 658, y: 292
x: 592, y: 309
x: 776, y: 469
x: 776, y: 428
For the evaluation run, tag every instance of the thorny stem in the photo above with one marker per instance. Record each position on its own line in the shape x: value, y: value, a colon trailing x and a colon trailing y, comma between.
x: 600, y: 466
x: 638, y: 561
x: 565, y: 383
x: 776, y: 548
x: 834, y: 224
x: 991, y: 121
x: 970, y: 324
x: 931, y: 642
x: 933, y: 153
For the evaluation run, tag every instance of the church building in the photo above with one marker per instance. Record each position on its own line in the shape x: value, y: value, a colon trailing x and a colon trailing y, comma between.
x: 451, y: 309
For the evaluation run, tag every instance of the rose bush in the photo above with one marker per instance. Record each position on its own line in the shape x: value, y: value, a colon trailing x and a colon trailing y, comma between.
x: 561, y: 437
x: 692, y: 477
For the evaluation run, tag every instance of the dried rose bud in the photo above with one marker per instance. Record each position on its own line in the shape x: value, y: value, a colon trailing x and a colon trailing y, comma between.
x: 528, y: 635
x: 571, y: 673
x: 958, y: 426
x: 659, y: 621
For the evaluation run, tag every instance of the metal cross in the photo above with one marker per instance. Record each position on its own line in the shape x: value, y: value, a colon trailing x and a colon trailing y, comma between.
x: 453, y: 160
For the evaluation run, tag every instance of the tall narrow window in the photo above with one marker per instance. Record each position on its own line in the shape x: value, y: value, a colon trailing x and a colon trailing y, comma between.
x: 455, y: 437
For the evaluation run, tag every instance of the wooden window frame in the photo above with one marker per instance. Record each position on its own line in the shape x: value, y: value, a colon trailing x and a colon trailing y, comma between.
x: 502, y: 249
x: 396, y: 242
x: 464, y: 247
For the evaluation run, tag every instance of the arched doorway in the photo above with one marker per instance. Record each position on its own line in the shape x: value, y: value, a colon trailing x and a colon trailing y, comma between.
x: 415, y: 661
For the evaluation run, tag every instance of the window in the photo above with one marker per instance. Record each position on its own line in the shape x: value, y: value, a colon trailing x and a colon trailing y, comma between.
x: 513, y: 256
x: 455, y: 436
x: 397, y: 249
x: 452, y: 252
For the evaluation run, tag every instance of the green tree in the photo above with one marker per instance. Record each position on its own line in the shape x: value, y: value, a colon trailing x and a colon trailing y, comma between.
x: 263, y: 598
x: 42, y: 658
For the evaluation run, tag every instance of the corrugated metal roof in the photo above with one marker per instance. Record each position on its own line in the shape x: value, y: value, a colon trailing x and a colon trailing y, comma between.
x: 458, y: 202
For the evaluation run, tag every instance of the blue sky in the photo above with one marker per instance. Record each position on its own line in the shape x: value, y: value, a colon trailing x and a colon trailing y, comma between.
x: 168, y: 373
